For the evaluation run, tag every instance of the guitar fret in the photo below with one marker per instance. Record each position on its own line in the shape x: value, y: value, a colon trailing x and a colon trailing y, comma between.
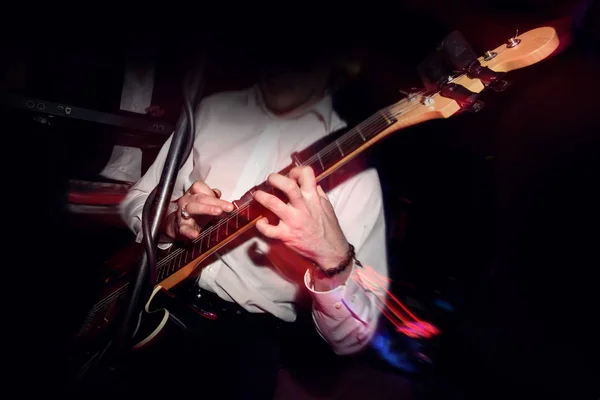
x: 193, y: 250
x: 388, y: 120
x: 237, y: 215
x: 296, y: 160
x: 217, y: 239
x: 339, y: 148
x: 184, y: 258
x: 320, y: 161
x: 360, y: 133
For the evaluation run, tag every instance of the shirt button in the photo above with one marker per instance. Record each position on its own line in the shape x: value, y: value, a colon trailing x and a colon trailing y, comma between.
x: 338, y: 306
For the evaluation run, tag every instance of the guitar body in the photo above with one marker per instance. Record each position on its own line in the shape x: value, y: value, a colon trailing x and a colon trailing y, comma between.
x: 163, y: 312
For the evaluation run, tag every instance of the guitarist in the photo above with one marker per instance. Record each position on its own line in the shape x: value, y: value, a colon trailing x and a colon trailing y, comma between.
x: 242, y: 138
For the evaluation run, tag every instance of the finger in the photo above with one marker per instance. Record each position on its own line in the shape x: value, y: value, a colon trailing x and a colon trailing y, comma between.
x: 199, y: 209
x: 305, y: 177
x: 272, y: 203
x: 200, y: 187
x: 217, y: 193
x: 289, y: 187
x: 202, y: 205
x: 268, y: 230
x: 188, y: 231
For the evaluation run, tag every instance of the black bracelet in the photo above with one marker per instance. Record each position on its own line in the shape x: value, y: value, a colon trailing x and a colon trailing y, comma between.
x: 340, y: 268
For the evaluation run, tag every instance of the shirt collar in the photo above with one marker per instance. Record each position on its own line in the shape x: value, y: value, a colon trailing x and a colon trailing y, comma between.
x: 323, y: 109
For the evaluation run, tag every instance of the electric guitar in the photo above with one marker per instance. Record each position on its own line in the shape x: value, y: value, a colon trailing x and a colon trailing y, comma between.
x: 183, y: 263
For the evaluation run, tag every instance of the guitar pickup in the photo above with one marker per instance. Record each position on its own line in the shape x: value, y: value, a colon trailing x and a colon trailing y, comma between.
x: 467, y: 100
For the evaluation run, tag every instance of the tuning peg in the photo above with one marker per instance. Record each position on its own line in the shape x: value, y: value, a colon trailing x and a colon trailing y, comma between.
x: 488, y: 55
x: 513, y: 42
x: 489, y: 78
x: 466, y: 99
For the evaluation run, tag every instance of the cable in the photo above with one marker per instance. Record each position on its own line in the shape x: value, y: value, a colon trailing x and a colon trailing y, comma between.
x: 191, y: 91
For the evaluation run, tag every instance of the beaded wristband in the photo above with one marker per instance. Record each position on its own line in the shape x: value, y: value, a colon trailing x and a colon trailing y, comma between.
x: 340, y: 268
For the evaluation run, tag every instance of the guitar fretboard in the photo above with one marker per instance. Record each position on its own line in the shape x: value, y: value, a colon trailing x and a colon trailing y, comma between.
x: 248, y: 210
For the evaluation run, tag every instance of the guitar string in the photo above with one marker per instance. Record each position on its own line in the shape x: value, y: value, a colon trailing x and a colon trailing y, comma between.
x: 327, y: 150
x: 109, y: 297
x: 369, y: 126
x: 242, y: 208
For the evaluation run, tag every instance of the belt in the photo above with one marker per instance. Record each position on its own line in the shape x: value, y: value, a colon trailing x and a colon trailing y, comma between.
x: 210, y: 301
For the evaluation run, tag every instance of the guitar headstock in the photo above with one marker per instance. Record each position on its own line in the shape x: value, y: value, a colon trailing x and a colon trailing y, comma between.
x: 522, y: 51
x: 461, y: 90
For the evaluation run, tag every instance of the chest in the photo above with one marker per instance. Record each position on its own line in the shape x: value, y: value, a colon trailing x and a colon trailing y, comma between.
x: 235, y: 154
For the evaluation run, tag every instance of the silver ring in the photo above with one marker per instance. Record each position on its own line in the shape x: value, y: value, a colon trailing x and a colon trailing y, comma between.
x: 184, y: 213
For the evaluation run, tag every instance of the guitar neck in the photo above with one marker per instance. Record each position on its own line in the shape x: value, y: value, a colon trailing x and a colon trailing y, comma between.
x: 324, y: 160
x: 526, y: 49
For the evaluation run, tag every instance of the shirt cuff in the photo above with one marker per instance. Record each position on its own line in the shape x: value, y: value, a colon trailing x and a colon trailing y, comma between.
x: 348, y: 295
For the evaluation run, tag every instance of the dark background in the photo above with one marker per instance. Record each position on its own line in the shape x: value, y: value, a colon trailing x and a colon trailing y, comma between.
x: 493, y: 212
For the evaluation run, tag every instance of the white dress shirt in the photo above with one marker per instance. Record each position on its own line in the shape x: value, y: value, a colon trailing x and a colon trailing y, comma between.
x: 238, y: 144
x: 125, y: 164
